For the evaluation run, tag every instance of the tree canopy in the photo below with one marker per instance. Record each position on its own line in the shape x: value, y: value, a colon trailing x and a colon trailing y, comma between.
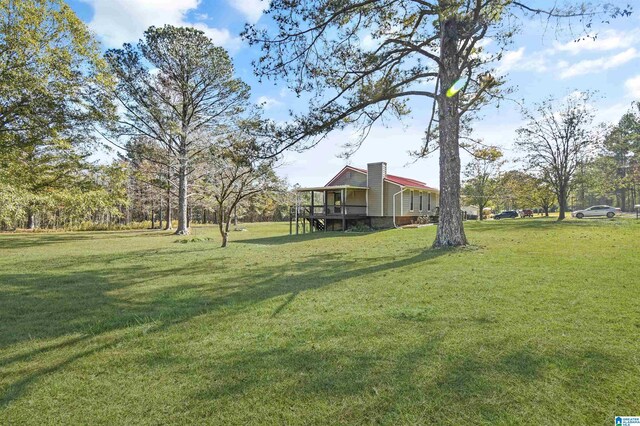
x: 54, y: 90
x: 177, y: 89
x: 557, y: 139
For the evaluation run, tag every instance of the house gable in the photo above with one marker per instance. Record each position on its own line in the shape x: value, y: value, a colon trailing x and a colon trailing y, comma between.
x: 349, y: 176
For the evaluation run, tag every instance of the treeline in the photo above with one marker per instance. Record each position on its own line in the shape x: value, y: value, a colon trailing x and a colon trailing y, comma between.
x: 190, y: 143
x: 567, y: 162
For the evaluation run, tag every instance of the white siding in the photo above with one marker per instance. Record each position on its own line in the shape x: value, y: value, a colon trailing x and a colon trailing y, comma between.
x: 389, y: 190
x: 416, y: 203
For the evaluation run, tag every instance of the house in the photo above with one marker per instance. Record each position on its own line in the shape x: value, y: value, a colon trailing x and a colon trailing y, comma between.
x: 470, y: 211
x: 368, y: 196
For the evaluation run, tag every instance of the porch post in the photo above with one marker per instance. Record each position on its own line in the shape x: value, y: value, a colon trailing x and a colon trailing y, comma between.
x: 344, y: 210
x: 326, y: 208
x: 304, y: 218
x: 297, y: 208
x: 312, y: 211
x: 366, y: 197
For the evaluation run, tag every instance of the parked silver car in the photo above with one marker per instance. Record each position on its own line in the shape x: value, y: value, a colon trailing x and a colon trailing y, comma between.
x: 592, y: 211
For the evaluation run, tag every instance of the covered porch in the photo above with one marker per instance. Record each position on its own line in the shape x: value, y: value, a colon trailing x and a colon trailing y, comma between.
x: 328, y: 208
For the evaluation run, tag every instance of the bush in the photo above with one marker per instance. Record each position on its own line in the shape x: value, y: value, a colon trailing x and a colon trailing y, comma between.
x: 360, y: 228
x: 90, y: 226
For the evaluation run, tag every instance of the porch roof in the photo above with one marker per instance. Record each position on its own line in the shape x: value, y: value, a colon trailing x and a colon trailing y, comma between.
x: 331, y: 188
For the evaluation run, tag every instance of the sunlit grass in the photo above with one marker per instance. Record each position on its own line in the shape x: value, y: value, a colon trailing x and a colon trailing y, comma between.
x: 536, y: 322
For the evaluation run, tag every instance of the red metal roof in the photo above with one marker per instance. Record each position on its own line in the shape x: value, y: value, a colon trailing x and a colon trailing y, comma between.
x: 408, y: 182
x: 399, y: 180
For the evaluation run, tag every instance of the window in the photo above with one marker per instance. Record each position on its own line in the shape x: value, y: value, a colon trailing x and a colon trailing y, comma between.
x: 429, y: 201
x: 421, y: 201
x: 337, y: 202
x: 411, y: 202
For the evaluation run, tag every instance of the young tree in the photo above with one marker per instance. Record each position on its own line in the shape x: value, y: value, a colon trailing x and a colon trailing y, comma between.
x: 420, y: 49
x: 556, y: 140
x: 481, y: 177
x: 237, y: 173
x: 177, y: 88
x: 543, y: 195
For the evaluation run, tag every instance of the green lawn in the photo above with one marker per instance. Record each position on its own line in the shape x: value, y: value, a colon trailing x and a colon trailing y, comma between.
x: 536, y: 323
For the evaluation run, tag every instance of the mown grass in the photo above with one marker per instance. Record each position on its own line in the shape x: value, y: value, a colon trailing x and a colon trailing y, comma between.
x: 536, y: 323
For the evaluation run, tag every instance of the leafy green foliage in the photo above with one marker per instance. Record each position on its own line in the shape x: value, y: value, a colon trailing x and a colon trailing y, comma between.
x: 482, y: 178
x: 54, y: 89
x: 53, y: 75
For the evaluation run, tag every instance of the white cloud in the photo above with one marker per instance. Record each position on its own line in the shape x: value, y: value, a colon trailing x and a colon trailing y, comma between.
x: 633, y: 86
x: 219, y: 36
x: 484, y: 42
x: 515, y: 60
x: 510, y: 59
x: 268, y: 102
x: 606, y: 40
x: 251, y: 9
x: 285, y: 92
x: 595, y: 65
x: 611, y: 113
x: 367, y: 42
x: 121, y: 21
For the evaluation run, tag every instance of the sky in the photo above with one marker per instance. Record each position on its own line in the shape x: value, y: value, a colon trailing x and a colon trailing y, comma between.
x: 537, y: 64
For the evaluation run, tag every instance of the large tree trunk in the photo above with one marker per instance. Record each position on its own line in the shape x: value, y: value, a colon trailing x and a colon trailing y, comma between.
x: 450, y: 228
x: 153, y: 216
x: 168, y: 219
x: 235, y: 216
x: 183, y: 227
x: 168, y: 226
x: 31, y: 220
x: 562, y: 200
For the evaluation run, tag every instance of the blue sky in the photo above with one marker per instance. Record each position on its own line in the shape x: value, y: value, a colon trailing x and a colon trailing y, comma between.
x: 538, y: 64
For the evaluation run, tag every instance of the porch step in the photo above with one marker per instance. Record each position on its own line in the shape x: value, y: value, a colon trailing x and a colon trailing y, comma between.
x: 318, y: 224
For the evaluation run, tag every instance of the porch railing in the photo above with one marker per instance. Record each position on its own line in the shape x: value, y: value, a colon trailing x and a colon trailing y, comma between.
x: 321, y: 211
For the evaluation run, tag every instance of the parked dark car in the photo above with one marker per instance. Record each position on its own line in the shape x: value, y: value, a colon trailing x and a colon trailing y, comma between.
x: 511, y: 214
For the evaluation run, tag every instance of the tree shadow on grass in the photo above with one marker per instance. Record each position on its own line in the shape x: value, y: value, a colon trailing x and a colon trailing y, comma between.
x: 292, y: 239
x: 19, y: 241
x: 104, y: 300
x: 25, y: 240
x: 103, y: 306
x: 421, y: 383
